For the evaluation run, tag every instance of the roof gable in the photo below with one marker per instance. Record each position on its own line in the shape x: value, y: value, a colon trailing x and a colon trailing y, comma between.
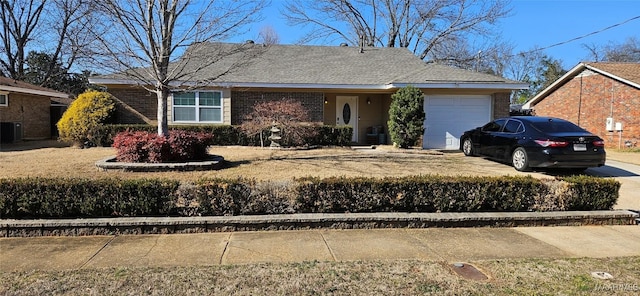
x: 620, y: 71
x: 628, y: 73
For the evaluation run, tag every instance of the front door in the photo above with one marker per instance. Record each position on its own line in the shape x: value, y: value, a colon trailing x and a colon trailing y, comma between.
x: 347, y: 113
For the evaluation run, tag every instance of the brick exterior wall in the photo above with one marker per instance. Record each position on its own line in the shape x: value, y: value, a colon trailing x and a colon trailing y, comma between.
x: 501, y: 103
x: 32, y: 111
x: 135, y: 105
x: 242, y: 103
x: 589, y: 98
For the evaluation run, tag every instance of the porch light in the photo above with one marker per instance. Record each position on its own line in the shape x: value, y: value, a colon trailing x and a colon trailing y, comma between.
x: 326, y: 101
x: 368, y: 101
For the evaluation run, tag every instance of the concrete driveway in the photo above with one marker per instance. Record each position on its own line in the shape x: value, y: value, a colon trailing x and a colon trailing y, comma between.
x: 629, y: 176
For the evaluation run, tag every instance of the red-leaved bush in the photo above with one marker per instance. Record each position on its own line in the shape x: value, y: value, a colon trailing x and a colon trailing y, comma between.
x: 179, y: 146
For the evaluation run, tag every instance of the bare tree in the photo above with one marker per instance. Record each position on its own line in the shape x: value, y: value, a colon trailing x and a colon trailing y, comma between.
x: 268, y: 36
x: 69, y: 23
x: 627, y: 51
x: 20, y: 19
x: 142, y: 38
x: 429, y: 28
x: 56, y: 29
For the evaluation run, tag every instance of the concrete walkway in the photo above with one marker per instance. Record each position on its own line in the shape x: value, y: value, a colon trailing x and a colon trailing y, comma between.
x: 431, y: 244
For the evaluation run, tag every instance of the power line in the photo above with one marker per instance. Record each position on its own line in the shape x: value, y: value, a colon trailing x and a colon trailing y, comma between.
x: 584, y: 36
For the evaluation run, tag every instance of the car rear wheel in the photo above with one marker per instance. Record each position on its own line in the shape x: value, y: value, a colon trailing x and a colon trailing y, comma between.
x: 467, y: 147
x: 520, y: 160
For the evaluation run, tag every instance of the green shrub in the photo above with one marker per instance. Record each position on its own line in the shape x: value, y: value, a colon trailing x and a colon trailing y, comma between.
x: 589, y: 193
x: 229, y: 135
x: 81, y: 122
x: 417, y: 193
x: 71, y: 198
x: 68, y: 198
x: 406, y: 116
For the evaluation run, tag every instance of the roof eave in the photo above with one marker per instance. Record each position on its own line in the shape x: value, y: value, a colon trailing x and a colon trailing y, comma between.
x: 616, y: 77
x: 34, y: 92
x: 466, y: 85
x: 113, y: 81
x: 454, y: 85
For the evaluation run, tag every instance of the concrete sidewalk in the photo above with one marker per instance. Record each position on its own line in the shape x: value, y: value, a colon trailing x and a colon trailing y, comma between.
x: 431, y: 244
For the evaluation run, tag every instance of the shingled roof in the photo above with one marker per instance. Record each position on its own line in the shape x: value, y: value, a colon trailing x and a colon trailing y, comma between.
x: 12, y: 85
x: 328, y: 67
x: 623, y: 71
x: 628, y: 73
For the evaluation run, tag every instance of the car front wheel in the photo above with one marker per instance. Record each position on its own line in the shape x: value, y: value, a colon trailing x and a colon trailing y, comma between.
x: 467, y: 147
x: 520, y: 160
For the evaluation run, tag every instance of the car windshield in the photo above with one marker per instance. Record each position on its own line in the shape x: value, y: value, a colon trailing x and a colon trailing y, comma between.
x: 556, y: 127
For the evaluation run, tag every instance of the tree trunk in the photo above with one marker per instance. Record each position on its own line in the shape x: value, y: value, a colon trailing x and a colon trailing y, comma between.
x: 162, y: 92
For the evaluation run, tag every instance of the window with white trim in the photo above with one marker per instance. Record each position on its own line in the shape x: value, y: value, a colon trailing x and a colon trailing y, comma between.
x: 197, y: 106
x: 4, y: 101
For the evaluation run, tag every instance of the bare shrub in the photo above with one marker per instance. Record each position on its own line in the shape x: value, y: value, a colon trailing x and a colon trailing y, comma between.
x: 554, y: 196
x: 287, y: 114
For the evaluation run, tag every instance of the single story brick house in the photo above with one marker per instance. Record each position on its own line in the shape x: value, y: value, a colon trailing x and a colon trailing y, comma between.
x: 27, y: 111
x: 339, y: 85
x: 603, y: 98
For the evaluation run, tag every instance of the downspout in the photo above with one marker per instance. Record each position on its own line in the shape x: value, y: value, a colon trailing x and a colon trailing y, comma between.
x: 580, y: 101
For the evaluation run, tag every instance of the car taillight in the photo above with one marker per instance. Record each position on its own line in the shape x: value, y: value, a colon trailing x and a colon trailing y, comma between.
x: 598, y: 143
x: 552, y: 144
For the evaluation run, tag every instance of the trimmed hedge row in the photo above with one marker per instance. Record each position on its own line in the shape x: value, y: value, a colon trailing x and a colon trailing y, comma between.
x: 64, y: 198
x: 419, y: 194
x: 226, y: 135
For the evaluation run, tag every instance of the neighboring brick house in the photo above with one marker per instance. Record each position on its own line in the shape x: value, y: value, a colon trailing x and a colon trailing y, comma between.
x: 25, y: 110
x: 593, y: 94
x: 331, y: 82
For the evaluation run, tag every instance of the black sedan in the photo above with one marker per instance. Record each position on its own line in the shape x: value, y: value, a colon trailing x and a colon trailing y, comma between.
x: 531, y: 141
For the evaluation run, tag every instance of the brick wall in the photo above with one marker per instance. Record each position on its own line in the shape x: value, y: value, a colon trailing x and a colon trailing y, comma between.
x: 589, y: 98
x: 32, y: 111
x: 242, y: 103
x: 135, y: 105
x: 501, y: 105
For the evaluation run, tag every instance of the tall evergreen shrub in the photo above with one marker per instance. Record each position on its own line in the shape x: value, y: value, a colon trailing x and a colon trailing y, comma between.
x: 406, y: 116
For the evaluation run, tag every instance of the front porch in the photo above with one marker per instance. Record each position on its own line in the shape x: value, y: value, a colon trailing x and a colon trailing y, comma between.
x: 366, y: 113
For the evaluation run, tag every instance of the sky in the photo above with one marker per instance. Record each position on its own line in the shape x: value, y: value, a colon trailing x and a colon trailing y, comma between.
x: 532, y: 23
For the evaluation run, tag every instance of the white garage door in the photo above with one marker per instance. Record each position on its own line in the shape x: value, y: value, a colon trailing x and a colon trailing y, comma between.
x: 447, y: 117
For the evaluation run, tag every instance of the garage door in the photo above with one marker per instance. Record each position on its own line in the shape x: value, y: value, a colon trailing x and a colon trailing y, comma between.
x: 447, y: 117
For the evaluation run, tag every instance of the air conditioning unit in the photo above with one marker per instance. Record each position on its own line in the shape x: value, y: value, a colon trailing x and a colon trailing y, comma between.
x: 10, y: 132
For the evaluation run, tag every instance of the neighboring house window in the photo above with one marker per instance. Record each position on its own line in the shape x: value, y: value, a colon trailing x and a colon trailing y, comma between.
x: 199, y: 106
x: 4, y: 101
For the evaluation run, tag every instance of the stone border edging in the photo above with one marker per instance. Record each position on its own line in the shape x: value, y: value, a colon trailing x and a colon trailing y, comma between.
x: 168, y: 225
x: 213, y: 163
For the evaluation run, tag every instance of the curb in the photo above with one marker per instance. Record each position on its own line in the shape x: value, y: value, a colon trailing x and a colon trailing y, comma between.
x: 170, y: 225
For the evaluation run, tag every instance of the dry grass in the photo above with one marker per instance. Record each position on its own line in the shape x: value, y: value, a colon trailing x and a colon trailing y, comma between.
x: 249, y: 162
x: 506, y: 277
x: 52, y: 159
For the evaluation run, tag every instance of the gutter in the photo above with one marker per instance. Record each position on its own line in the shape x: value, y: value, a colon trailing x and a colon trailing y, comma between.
x: 389, y: 86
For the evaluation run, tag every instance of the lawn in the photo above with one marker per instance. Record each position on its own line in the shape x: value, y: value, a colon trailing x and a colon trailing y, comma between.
x: 401, y: 277
x: 52, y: 159
x: 255, y: 162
